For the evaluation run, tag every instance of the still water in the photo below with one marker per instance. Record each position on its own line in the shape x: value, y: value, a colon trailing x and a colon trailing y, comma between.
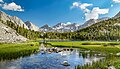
x: 49, y: 59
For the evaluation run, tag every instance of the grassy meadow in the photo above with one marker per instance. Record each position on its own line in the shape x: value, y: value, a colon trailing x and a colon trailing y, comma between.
x: 13, y: 51
x: 106, y: 47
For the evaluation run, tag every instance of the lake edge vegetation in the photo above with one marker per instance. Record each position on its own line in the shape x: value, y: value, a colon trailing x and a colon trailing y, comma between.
x: 110, y: 48
x: 11, y: 51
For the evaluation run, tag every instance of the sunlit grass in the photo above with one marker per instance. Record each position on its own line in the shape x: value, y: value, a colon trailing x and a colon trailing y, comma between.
x: 108, y: 47
x: 12, y: 51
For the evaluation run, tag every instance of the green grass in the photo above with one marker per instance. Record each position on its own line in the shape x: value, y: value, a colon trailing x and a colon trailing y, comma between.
x: 106, y: 47
x: 102, y: 64
x: 13, y: 51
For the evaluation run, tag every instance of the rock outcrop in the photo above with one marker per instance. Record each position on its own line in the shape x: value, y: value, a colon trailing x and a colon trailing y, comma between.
x: 4, y: 17
x: 8, y: 35
x: 31, y: 26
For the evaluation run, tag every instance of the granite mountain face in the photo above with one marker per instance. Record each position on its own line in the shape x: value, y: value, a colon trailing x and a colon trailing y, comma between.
x: 8, y: 35
x: 5, y: 17
x: 31, y: 26
x: 61, y: 27
x: 17, y: 21
x: 46, y: 28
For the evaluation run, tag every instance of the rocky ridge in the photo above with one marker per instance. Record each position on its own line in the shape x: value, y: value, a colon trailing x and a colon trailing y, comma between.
x: 8, y: 35
x: 5, y: 17
x: 31, y: 26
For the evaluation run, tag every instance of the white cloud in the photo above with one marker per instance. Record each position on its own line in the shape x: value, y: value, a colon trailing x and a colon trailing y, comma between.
x: 12, y: 6
x: 0, y: 5
x: 1, y: 0
x: 75, y: 4
x: 94, y: 14
x: 112, y: 5
x: 116, y: 1
x: 81, y: 6
x: 84, y: 7
x: 90, y: 14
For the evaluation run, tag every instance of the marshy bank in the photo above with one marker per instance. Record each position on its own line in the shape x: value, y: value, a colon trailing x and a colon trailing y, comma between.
x: 110, y: 50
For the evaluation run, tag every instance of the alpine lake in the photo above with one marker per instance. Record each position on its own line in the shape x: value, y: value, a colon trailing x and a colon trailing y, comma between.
x: 54, y: 58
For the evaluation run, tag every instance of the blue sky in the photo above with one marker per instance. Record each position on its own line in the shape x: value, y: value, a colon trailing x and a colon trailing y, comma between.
x: 51, y: 12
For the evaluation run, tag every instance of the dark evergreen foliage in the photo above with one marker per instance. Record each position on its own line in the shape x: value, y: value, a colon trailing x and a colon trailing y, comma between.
x: 107, y: 30
x: 30, y: 34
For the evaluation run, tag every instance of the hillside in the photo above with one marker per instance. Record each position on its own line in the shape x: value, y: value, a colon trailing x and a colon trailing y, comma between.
x: 17, y: 21
x: 8, y: 35
x: 27, y: 29
x: 104, y: 30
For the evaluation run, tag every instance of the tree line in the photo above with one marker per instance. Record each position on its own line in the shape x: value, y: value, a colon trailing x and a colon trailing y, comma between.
x: 107, y: 30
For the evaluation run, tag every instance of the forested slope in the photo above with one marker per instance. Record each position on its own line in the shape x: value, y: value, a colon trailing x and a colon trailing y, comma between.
x: 104, y: 30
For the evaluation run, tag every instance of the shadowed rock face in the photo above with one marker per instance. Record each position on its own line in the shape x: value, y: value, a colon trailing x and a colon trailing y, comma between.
x: 117, y: 15
x: 46, y: 28
x: 88, y: 23
x: 13, y: 19
x: 8, y: 35
x: 31, y: 26
x: 92, y: 21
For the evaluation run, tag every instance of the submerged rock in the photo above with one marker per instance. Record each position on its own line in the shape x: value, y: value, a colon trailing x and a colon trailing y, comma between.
x: 118, y: 54
x: 111, y: 67
x: 65, y: 63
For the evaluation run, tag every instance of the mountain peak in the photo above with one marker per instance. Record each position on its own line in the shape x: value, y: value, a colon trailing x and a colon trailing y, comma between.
x: 5, y: 17
x: 28, y: 22
x: 31, y: 26
x: 45, y: 26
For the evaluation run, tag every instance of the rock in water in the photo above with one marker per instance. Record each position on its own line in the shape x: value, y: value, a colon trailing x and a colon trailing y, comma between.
x: 111, y: 67
x: 65, y: 63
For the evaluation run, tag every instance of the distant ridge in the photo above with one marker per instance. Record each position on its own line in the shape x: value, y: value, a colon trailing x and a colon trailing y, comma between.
x: 92, y: 21
x: 61, y: 27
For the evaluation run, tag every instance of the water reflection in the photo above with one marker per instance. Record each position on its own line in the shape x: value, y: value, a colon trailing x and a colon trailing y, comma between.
x: 51, y: 58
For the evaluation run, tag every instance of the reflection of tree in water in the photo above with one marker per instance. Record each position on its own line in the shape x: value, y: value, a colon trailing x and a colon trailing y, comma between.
x: 70, y: 54
x: 49, y: 50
